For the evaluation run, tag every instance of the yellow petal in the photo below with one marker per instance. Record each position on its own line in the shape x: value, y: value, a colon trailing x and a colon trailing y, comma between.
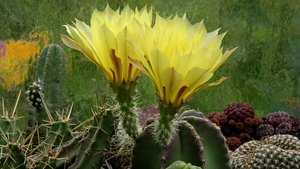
x: 172, y: 81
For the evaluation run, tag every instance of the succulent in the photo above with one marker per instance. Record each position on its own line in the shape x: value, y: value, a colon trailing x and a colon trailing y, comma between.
x: 237, y: 123
x: 182, y: 165
x: 276, y: 118
x: 239, y: 111
x: 245, y: 137
x: 264, y: 130
x: 284, y: 128
x: 278, y: 151
x: 233, y: 143
x: 278, y: 123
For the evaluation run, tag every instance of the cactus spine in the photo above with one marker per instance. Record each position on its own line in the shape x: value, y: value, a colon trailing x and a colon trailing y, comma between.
x: 96, y: 142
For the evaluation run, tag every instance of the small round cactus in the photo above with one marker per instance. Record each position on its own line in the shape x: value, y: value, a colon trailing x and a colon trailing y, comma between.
x: 264, y: 130
x: 284, y: 128
x: 233, y: 143
x: 239, y: 111
x: 278, y: 151
x: 277, y: 117
x: 222, y: 118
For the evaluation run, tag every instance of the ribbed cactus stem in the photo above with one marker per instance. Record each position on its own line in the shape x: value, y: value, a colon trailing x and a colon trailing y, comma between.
x: 164, y: 128
x: 126, y: 96
x: 50, y: 73
x: 96, y: 142
x: 49, y: 84
x: 14, y: 158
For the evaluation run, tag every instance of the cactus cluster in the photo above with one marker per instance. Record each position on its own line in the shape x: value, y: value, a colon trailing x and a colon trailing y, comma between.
x: 278, y: 122
x: 277, y: 151
x: 237, y: 122
x: 61, y: 148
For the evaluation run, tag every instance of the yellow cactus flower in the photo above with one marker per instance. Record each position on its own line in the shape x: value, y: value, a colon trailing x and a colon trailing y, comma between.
x: 104, y: 42
x: 180, y: 58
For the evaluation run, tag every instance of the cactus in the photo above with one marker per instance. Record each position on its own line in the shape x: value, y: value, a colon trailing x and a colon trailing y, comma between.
x: 237, y: 122
x: 61, y: 147
x: 186, y: 145
x: 49, y: 84
x: 96, y: 142
x: 239, y: 111
x: 278, y: 151
x: 13, y: 157
x: 264, y: 130
x: 276, y: 118
x: 278, y: 123
x: 128, y: 116
x: 182, y: 165
x: 233, y: 143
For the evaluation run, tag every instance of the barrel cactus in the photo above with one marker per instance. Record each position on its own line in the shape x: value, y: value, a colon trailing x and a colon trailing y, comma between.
x: 278, y: 151
x: 190, y: 144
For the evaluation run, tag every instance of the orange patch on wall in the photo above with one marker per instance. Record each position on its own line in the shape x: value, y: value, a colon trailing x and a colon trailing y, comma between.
x: 14, y: 62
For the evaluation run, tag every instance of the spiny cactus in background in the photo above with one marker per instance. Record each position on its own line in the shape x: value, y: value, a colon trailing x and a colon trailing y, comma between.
x: 49, y: 84
x: 182, y: 165
x: 237, y: 122
x: 197, y: 141
x: 278, y: 151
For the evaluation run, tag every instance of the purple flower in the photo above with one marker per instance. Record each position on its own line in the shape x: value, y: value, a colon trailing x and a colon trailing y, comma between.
x: 146, y: 113
x: 2, y: 48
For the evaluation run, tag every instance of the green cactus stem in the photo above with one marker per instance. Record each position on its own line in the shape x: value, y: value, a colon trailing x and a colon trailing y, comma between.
x: 164, y: 128
x: 49, y: 84
x: 13, y: 158
x: 126, y: 96
x: 8, y: 128
x: 50, y: 74
x: 47, y: 163
x: 196, y: 141
x: 214, y: 143
x: 182, y: 165
x: 96, y: 142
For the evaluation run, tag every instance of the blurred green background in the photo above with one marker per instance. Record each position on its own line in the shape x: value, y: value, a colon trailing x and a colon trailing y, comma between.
x: 263, y: 71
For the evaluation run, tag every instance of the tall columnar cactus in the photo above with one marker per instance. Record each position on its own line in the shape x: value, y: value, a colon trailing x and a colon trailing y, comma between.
x: 197, y: 141
x: 49, y: 84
